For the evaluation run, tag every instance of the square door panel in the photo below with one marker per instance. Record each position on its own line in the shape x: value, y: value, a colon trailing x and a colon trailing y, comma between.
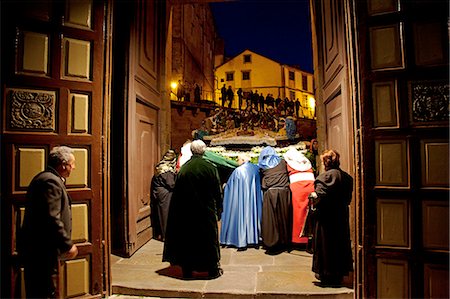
x: 33, y: 54
x: 385, y: 108
x: 391, y: 162
x: 376, y: 7
x: 435, y: 163
x: 435, y: 225
x: 436, y: 281
x: 392, y: 279
x: 393, y: 222
x: 386, y: 46
x: 76, y: 59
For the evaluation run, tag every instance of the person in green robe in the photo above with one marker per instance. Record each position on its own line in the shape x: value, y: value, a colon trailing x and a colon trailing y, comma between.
x: 192, y: 232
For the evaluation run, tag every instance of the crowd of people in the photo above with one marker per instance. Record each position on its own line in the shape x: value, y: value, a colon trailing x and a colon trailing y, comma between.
x: 244, y: 100
x: 280, y: 203
x: 254, y: 100
x: 276, y: 203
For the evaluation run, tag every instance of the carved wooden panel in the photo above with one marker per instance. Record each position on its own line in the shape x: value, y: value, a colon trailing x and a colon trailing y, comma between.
x: 31, y: 110
x: 385, y: 104
x: 392, y: 278
x: 332, y: 48
x: 436, y: 281
x: 145, y: 152
x: 435, y: 163
x: 429, y: 103
x: 430, y: 48
x: 435, y: 228
x: 391, y: 162
x: 336, y: 129
x: 376, y: 7
x: 147, y: 45
x: 386, y: 46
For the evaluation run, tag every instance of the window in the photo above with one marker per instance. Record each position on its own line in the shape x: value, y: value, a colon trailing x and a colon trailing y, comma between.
x: 291, y: 75
x: 292, y: 95
x: 247, y: 58
x: 246, y: 75
x: 230, y: 76
x: 305, y: 82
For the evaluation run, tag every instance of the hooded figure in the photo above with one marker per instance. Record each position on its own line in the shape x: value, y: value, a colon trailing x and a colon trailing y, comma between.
x: 161, y: 189
x: 242, y: 206
x: 301, y: 179
x: 276, y: 222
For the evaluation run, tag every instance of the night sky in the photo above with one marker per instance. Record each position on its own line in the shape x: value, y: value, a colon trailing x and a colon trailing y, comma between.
x: 277, y: 29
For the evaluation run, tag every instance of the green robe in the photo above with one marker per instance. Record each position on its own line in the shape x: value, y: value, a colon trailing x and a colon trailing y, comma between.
x: 192, y: 232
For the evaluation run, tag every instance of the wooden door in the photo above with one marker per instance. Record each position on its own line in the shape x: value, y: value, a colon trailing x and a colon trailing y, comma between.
x: 396, y: 69
x: 334, y: 100
x: 405, y: 112
x: 52, y: 80
x: 138, y: 101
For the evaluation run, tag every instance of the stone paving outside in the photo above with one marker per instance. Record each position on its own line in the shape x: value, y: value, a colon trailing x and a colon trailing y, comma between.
x: 247, y: 274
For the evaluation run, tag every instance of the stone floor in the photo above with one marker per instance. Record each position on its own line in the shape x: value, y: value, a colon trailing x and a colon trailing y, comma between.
x: 247, y: 274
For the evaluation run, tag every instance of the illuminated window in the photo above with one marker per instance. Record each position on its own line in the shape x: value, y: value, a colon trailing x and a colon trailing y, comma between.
x: 230, y: 76
x: 245, y: 75
x: 247, y: 58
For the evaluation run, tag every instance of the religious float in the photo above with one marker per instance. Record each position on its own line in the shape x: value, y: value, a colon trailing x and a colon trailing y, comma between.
x: 228, y: 133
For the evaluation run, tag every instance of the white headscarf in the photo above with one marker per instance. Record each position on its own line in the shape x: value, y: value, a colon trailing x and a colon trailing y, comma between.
x: 297, y: 160
x: 186, y: 153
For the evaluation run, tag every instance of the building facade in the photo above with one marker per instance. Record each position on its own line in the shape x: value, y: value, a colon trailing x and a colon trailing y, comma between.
x: 251, y: 71
x: 193, y: 43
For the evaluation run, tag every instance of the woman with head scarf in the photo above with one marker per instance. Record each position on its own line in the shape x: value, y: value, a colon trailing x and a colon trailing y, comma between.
x: 332, y: 259
x: 301, y: 179
x: 276, y: 223
x: 161, y: 189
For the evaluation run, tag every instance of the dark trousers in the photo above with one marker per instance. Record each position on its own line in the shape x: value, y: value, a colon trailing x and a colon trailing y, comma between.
x: 40, y: 280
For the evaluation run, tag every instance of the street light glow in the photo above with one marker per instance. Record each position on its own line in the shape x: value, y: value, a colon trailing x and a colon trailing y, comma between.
x: 173, y: 84
x: 312, y: 103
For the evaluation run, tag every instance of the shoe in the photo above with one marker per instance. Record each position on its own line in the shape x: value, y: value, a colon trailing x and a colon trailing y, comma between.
x: 187, y: 273
x: 215, y: 273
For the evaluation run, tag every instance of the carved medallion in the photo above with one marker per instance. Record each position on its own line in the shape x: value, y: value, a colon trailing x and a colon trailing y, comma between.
x: 32, y: 109
x: 429, y: 102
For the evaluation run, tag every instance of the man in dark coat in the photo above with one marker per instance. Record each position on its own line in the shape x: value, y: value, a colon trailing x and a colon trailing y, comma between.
x: 332, y: 258
x: 192, y: 232
x: 47, y: 225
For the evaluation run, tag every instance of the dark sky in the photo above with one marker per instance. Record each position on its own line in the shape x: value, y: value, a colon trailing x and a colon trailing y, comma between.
x: 277, y: 29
